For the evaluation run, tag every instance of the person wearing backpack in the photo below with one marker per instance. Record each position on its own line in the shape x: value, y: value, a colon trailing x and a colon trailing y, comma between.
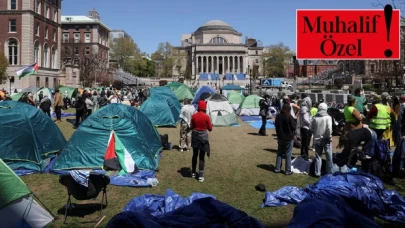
x: 264, y: 110
x: 102, y: 101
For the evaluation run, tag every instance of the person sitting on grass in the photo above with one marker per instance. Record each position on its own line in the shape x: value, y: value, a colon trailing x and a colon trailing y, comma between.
x: 285, y: 128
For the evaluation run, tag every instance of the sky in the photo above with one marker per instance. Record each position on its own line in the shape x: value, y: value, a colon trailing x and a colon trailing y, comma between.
x: 150, y: 22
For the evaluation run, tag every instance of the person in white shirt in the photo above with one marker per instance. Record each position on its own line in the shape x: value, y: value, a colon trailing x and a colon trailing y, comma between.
x: 126, y: 101
x: 321, y: 126
x: 185, y: 132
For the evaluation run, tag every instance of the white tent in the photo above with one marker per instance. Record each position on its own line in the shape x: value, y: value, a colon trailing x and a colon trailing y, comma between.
x: 17, y: 205
x: 220, y: 111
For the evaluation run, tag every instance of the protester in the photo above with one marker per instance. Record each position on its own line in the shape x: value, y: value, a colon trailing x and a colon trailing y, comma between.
x: 264, y: 112
x: 321, y: 127
x: 285, y: 127
x: 353, y: 118
x: 57, y: 105
x: 305, y: 122
x: 102, y: 100
x: 95, y: 99
x: 361, y: 101
x: 314, y: 109
x: 199, y: 124
x: 80, y: 106
x: 45, y: 105
x: 186, y: 112
x: 381, y: 116
x: 89, y: 104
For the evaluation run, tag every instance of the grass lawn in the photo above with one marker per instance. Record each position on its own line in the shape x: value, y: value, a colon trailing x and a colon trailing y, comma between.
x: 239, y: 161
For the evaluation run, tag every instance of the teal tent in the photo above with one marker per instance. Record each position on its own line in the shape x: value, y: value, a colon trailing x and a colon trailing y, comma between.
x: 162, y: 107
x: 87, y: 148
x: 181, y: 91
x: 29, y: 138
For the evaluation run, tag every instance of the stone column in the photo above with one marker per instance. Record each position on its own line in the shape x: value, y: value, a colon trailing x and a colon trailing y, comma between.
x: 228, y: 67
x: 217, y: 64
x: 241, y: 64
x: 212, y: 64
x: 193, y: 65
x: 203, y: 64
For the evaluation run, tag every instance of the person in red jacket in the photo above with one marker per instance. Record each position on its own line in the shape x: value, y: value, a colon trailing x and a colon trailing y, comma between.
x: 200, y: 123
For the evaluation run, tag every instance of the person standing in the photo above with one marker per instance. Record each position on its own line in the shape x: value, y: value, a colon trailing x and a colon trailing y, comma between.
x: 381, y: 116
x: 321, y: 127
x: 199, y: 124
x: 353, y: 118
x: 89, y: 104
x: 186, y: 112
x: 360, y: 100
x: 45, y: 105
x: 95, y: 99
x: 80, y: 106
x: 305, y: 123
x: 285, y: 128
x: 264, y: 111
x: 57, y: 105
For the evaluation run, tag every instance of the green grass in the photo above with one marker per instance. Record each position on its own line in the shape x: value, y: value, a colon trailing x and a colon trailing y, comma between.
x: 230, y: 174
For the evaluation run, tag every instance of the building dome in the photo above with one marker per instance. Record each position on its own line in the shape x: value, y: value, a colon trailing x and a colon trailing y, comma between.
x: 215, y: 25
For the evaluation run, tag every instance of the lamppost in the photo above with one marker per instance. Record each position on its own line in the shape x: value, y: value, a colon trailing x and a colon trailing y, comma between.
x: 250, y: 79
x: 9, y: 82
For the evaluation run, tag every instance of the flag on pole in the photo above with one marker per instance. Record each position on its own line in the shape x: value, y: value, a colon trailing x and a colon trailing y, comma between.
x: 117, y: 156
x: 28, y: 70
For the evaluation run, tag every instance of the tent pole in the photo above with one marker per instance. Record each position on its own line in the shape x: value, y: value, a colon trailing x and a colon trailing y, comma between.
x: 43, y: 205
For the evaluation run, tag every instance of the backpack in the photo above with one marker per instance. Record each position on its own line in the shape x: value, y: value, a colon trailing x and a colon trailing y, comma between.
x: 165, y: 141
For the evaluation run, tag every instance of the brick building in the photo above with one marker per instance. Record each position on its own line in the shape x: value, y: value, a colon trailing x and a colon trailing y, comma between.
x: 85, y: 50
x: 29, y: 33
x: 310, y: 68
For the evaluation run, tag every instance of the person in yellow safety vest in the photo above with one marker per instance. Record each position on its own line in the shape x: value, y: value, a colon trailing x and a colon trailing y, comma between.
x: 381, y: 116
x: 314, y: 110
x: 353, y: 118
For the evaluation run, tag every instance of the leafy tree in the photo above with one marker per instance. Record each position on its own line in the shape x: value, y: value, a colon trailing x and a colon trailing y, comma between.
x: 124, y: 51
x: 164, y: 58
x: 3, y: 68
x: 275, y: 62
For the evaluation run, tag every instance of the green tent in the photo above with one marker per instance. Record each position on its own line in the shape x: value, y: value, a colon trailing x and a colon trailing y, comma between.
x: 87, y: 147
x: 181, y: 91
x: 235, y: 99
x: 70, y: 91
x: 45, y: 91
x: 249, y: 106
x: 29, y: 138
x: 17, y: 205
x: 162, y: 108
x: 16, y: 96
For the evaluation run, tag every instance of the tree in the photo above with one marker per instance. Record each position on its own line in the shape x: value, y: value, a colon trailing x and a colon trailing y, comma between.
x: 124, y: 51
x: 275, y: 61
x: 3, y: 68
x: 164, y: 59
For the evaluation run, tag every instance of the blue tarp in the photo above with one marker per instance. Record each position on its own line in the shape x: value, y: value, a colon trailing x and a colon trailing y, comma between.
x: 256, y: 122
x: 63, y: 115
x: 361, y: 189
x: 399, y: 157
x: 171, y: 210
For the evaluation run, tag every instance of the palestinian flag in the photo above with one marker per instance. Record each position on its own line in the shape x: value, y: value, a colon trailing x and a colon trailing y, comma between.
x: 28, y: 70
x: 117, y: 156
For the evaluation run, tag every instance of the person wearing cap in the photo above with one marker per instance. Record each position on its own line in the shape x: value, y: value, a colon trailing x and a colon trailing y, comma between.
x: 353, y: 118
x: 200, y: 123
x: 186, y: 112
x: 360, y: 100
x: 321, y: 127
x: 381, y: 116
x: 57, y: 105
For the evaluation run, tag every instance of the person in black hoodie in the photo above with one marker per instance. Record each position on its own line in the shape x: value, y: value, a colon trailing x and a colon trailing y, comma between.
x: 264, y: 110
x: 285, y: 128
x: 45, y: 105
x: 80, y: 106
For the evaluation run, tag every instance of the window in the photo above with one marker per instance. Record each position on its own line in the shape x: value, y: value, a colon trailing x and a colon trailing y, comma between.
x: 36, y: 52
x: 37, y: 82
x: 76, y: 50
x: 46, y: 10
x: 257, y: 52
x: 13, y: 4
x: 76, y: 62
x: 87, y: 50
x: 46, y: 82
x: 37, y: 29
x: 311, y: 69
x: 87, y: 38
x: 77, y: 37
x: 87, y: 28
x: 45, y: 62
x: 77, y: 28
x: 372, y: 68
x: 54, y: 35
x: 12, y: 25
x: 257, y: 61
x: 46, y: 32
x: 55, y: 83
x: 38, y: 6
x: 55, y: 15
x: 74, y: 74
x: 53, y: 58
x: 65, y: 37
x: 12, y: 52
x: 218, y: 40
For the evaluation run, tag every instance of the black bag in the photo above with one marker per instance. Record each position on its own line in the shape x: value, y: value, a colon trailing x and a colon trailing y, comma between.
x: 165, y: 141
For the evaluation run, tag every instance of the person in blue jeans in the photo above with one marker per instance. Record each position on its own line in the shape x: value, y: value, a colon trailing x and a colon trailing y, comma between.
x: 321, y: 127
x: 285, y: 129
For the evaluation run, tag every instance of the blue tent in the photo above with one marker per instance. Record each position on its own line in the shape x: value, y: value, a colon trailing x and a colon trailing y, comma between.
x: 29, y: 138
x: 87, y: 147
x: 203, y: 93
x: 162, y: 107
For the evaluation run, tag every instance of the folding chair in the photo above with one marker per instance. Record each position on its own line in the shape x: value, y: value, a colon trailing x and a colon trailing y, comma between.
x: 97, y: 183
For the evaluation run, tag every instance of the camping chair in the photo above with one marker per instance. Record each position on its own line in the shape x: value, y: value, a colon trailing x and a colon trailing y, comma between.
x: 97, y: 183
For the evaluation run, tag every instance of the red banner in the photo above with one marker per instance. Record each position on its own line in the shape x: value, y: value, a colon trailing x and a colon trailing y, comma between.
x: 348, y: 34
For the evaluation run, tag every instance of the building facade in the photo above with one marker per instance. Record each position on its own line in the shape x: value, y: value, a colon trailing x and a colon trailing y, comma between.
x: 116, y: 34
x: 311, y: 68
x: 85, y: 50
x: 217, y: 48
x: 30, y: 32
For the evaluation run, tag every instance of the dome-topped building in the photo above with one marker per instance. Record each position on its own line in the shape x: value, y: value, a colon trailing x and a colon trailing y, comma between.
x: 216, y: 49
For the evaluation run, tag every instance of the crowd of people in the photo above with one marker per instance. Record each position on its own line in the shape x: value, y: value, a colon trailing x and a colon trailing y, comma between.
x: 375, y: 122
